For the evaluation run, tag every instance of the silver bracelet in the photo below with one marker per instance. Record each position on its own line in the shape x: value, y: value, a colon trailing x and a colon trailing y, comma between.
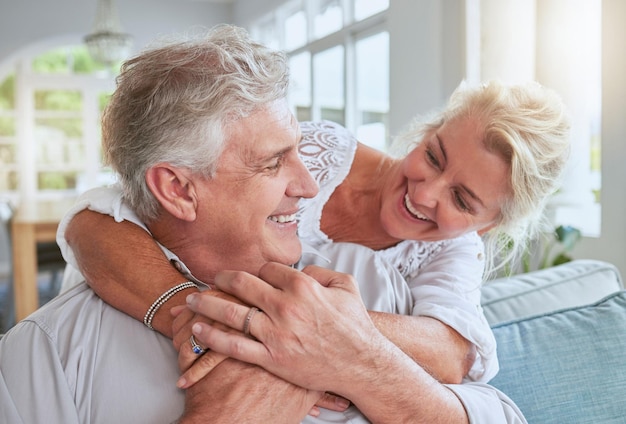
x: 147, y: 319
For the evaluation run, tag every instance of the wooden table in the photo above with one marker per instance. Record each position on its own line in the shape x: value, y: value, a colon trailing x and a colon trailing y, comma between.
x: 34, y: 221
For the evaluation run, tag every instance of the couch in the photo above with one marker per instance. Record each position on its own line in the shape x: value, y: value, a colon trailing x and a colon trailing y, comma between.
x: 561, y: 336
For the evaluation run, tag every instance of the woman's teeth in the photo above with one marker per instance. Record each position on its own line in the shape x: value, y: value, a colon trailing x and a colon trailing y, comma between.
x: 281, y: 219
x: 414, y: 212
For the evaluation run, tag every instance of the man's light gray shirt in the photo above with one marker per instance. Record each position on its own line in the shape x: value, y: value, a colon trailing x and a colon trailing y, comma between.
x: 79, y: 360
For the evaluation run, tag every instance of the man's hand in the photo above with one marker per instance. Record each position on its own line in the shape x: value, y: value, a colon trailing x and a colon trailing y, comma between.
x: 192, y: 365
x: 235, y: 392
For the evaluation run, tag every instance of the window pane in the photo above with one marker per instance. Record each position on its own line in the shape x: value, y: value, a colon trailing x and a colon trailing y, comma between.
x: 366, y: 8
x: 8, y: 179
x: 7, y: 126
x: 7, y: 93
x: 58, y: 142
x: 295, y: 30
x: 300, y: 85
x: 372, y: 89
x: 58, y: 100
x: 8, y: 154
x: 66, y: 60
x: 8, y: 165
x: 328, y: 19
x: 267, y: 34
x: 60, y: 158
x: 103, y: 100
x: 56, y: 181
x: 328, y: 84
x: 569, y: 61
x: 60, y: 152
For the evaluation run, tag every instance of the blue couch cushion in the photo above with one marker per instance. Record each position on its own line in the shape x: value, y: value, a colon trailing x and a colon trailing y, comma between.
x: 567, y: 366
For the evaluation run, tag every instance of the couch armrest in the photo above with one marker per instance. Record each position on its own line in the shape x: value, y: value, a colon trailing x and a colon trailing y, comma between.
x: 576, y: 283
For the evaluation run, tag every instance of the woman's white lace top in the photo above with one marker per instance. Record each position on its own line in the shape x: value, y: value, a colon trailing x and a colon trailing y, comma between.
x: 444, y: 276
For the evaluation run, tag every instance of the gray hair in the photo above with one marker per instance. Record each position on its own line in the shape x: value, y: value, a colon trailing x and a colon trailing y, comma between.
x: 173, y: 103
x: 525, y: 124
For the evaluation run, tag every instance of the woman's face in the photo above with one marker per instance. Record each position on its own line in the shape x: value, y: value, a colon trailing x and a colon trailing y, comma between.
x: 447, y: 186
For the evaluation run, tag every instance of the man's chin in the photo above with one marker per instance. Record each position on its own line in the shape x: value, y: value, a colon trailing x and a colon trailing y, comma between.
x: 290, y: 253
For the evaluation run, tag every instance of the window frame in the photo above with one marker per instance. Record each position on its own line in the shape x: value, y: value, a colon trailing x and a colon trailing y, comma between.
x: 350, y: 34
x: 27, y: 83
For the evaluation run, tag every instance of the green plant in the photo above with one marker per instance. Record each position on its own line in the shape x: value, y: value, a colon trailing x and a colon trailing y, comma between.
x: 563, y: 238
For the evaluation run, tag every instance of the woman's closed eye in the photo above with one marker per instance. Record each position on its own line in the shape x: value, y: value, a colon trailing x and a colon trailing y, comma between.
x: 460, y: 202
x: 432, y: 158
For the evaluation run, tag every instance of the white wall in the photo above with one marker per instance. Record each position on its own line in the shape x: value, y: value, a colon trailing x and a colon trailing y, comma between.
x: 27, y: 24
x: 426, y: 55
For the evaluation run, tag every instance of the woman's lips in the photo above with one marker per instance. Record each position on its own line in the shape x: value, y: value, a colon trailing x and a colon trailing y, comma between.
x: 414, y: 212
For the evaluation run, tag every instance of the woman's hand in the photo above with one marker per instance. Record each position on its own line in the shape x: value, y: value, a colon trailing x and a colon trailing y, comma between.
x: 195, y: 367
x: 307, y: 333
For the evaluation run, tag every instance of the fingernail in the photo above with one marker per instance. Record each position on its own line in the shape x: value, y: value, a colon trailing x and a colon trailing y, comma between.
x: 181, y: 383
x: 342, y: 403
x: 196, y: 329
x: 190, y: 298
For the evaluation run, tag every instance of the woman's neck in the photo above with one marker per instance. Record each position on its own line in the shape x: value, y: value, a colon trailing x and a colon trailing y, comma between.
x: 352, y: 214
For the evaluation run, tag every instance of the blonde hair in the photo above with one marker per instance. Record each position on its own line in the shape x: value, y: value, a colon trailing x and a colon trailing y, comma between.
x: 525, y: 124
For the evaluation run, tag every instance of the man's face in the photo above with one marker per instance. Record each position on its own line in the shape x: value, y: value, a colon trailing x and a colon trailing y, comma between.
x: 248, y: 208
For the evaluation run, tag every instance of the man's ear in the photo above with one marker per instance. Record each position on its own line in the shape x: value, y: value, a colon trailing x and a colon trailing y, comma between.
x: 174, y: 190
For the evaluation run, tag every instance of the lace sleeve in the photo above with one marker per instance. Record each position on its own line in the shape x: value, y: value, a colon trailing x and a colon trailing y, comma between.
x: 327, y: 149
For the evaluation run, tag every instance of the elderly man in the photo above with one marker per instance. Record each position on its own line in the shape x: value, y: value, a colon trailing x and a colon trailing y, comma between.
x: 206, y: 150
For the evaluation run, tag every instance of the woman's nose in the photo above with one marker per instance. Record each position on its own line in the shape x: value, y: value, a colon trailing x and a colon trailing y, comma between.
x: 427, y: 193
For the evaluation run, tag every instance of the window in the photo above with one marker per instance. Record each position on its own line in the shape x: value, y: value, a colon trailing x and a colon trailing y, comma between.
x: 8, y: 152
x: 366, y: 8
x: 558, y: 44
x: 339, y: 60
x: 372, y: 97
x: 300, y: 87
x: 328, y: 84
x: 328, y: 19
x: 50, y: 110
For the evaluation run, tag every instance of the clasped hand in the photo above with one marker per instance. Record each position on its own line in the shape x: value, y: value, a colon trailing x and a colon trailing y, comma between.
x: 312, y: 325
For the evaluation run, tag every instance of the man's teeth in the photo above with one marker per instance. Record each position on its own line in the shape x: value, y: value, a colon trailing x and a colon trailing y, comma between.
x: 283, y: 218
x: 416, y: 213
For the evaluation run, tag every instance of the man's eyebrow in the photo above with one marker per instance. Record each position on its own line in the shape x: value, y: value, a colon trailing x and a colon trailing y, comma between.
x: 268, y: 156
x: 466, y: 189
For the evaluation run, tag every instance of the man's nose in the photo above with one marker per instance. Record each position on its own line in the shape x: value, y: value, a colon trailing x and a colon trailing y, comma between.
x: 302, y: 184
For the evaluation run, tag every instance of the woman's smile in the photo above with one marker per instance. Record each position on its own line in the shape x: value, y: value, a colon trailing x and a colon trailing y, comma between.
x: 412, y: 210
